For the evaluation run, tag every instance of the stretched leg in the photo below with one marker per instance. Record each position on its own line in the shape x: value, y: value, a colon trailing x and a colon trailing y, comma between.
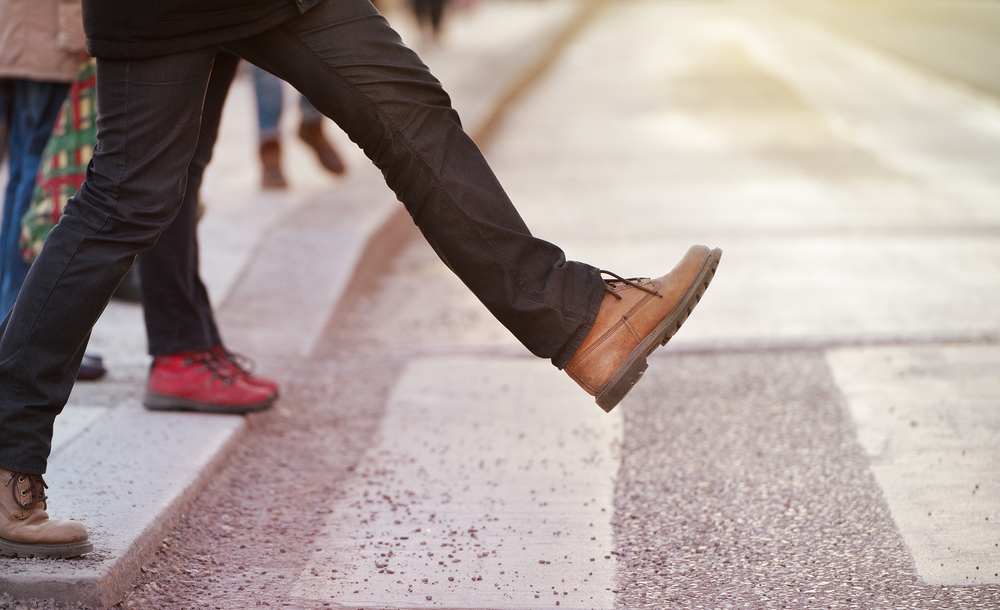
x: 354, y: 69
x: 311, y: 132
x: 147, y: 133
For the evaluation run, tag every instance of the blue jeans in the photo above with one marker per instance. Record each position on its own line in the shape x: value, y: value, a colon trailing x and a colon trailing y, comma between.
x: 355, y: 69
x: 270, y: 104
x: 33, y: 107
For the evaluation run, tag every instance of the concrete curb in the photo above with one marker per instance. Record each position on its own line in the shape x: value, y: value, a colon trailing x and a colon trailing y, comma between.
x: 153, y: 464
x: 162, y: 462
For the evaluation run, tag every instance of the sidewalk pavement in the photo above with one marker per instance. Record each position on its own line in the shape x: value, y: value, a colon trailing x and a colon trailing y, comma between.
x: 277, y: 265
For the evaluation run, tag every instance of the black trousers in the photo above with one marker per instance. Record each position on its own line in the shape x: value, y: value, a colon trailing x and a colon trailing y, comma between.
x: 175, y: 303
x: 347, y: 61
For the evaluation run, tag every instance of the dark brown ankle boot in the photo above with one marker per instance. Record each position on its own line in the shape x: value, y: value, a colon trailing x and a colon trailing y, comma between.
x: 270, y: 163
x: 312, y: 134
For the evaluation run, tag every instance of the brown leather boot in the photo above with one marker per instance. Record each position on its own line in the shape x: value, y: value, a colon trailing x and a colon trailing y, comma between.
x: 270, y: 165
x: 636, y: 317
x: 312, y: 134
x: 25, y: 527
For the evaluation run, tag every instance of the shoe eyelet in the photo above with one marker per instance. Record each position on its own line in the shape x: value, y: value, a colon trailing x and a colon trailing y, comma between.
x: 20, y: 480
x: 24, y: 492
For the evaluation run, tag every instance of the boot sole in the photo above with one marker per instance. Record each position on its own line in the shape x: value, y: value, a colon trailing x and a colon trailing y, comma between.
x: 45, y: 551
x: 633, y: 368
x: 165, y: 402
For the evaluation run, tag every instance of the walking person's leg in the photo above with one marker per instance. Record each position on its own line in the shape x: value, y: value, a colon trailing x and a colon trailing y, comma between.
x: 148, y: 129
x: 437, y: 15
x: 191, y: 370
x: 174, y: 300
x: 4, y: 118
x: 270, y: 104
x: 311, y: 132
x: 354, y: 69
x: 34, y: 107
x: 350, y: 64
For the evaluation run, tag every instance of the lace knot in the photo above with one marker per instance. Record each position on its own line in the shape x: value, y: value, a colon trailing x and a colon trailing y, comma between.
x: 609, y: 285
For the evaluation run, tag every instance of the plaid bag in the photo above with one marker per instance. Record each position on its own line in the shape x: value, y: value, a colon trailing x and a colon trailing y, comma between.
x: 64, y: 161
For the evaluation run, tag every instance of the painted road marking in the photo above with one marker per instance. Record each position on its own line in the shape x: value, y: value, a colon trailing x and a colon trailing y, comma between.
x: 491, y: 486
x: 929, y: 418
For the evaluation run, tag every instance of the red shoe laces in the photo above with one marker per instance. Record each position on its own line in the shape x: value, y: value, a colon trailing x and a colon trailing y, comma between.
x: 238, y: 364
x: 218, y: 368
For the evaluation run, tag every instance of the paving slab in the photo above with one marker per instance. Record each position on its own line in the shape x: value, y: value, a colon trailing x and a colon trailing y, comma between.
x: 744, y: 486
x: 929, y: 419
x: 491, y: 486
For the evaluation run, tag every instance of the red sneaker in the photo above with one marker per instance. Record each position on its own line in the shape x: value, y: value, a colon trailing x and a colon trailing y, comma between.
x: 242, y: 367
x: 196, y: 381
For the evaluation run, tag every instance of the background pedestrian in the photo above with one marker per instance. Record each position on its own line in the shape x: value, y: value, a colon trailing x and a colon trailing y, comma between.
x: 41, y: 47
x: 269, y: 91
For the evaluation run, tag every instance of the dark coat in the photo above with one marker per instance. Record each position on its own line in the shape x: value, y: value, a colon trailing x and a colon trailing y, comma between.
x: 136, y: 29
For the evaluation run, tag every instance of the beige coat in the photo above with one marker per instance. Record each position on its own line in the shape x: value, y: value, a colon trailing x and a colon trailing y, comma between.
x: 41, y: 39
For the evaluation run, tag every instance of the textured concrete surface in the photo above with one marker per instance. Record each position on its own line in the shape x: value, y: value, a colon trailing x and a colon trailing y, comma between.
x: 489, y: 494
x: 127, y: 474
x: 743, y: 485
x: 929, y: 420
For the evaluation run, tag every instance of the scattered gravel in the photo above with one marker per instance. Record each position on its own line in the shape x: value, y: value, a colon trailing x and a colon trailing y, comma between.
x: 742, y: 485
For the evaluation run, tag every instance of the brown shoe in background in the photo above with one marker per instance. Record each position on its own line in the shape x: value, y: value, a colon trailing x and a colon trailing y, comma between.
x: 636, y: 317
x: 312, y: 134
x: 25, y: 527
x: 270, y: 164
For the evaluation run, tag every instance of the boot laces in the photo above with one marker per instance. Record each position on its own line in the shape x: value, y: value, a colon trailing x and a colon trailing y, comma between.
x: 36, y: 490
x: 633, y: 282
x: 240, y: 365
x: 219, y: 368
